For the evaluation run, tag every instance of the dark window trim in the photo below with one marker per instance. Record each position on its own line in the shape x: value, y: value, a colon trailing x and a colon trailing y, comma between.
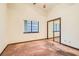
x: 31, y: 32
x: 31, y: 28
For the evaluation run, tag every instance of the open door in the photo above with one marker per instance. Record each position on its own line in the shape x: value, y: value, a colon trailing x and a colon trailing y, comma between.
x: 54, y: 29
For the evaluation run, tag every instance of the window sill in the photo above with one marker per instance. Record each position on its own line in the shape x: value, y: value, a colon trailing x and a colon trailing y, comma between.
x: 31, y: 32
x: 56, y: 31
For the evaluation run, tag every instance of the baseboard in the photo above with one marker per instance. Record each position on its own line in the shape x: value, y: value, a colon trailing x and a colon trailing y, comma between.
x: 50, y: 38
x: 27, y: 41
x: 3, y: 50
x: 69, y: 46
x: 19, y: 43
x: 35, y: 40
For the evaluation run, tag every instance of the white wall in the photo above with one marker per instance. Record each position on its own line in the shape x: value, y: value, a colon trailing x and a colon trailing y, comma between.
x: 3, y: 26
x: 12, y: 28
x: 70, y: 23
x: 17, y: 14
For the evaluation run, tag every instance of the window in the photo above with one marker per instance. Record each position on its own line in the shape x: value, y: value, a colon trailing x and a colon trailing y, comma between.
x: 56, y: 27
x: 35, y: 26
x: 31, y: 26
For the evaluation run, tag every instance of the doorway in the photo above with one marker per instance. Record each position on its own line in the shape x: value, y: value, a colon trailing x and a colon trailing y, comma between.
x: 54, y: 30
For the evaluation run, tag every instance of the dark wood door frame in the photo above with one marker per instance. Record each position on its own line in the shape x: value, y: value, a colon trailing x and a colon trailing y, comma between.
x: 53, y: 28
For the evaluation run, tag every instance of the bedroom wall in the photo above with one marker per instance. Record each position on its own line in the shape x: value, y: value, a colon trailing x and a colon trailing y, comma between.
x: 69, y: 14
x: 17, y: 13
x: 3, y: 26
x: 12, y: 28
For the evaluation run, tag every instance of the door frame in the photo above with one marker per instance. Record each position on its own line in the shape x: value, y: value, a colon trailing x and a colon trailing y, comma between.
x: 53, y: 28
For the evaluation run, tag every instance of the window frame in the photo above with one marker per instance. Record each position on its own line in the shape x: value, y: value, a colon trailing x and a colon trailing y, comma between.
x: 31, y: 27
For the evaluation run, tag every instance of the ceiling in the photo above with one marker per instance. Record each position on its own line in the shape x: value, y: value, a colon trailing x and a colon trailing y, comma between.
x: 38, y: 7
x: 49, y: 7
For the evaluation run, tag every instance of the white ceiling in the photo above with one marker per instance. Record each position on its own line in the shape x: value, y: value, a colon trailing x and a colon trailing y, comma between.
x: 49, y: 7
x: 38, y: 7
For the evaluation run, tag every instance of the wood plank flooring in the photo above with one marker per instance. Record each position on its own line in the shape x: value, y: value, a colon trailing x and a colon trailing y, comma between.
x: 40, y: 48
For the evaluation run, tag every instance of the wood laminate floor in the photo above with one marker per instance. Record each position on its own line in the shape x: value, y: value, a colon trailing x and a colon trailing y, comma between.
x: 40, y: 48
